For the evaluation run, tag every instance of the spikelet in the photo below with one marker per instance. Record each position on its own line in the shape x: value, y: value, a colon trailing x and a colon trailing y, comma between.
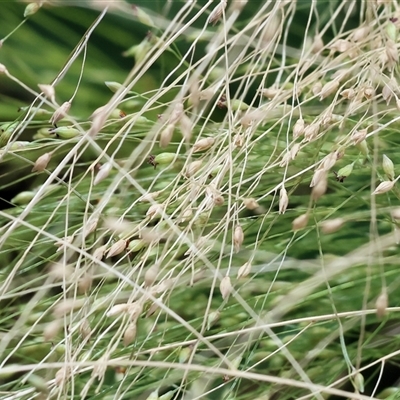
x: 238, y: 237
x: 331, y: 225
x: 166, y: 135
x: 52, y: 329
x: 298, y: 128
x: 193, y: 167
x: 104, y: 171
x: 117, y: 248
x: 244, y: 270
x: 117, y: 309
x: 283, y: 200
x: 384, y: 187
x: 388, y: 167
x: 225, y: 287
x: 212, y: 318
x: 320, y: 187
x: 84, y: 329
x: 311, y: 132
x: 130, y: 334
x: 381, y: 304
x: 60, y: 113
x: 203, y: 144
x: 300, y: 222
x: 149, y: 197
x: 250, y: 203
x: 217, y: 13
x: 328, y: 89
x: 98, y: 254
x: 48, y: 91
x: 42, y: 162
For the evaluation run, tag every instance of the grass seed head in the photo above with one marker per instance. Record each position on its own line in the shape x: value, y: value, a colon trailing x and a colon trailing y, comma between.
x: 341, y: 45
x: 317, y: 44
x: 348, y: 94
x: 358, y: 382
x: 244, y: 270
x: 149, y: 197
x: 98, y: 254
x: 84, y: 329
x: 300, y: 222
x: 42, y: 162
x: 225, y: 287
x: 328, y: 89
x: 212, y: 319
x: 193, y: 167
x: 203, y: 144
x: 48, y: 91
x: 104, y: 171
x: 85, y: 283
x: 166, y: 135
x: 60, y: 113
x: 283, y: 200
x: 31, y: 8
x: 388, y: 167
x: 384, y: 187
x: 250, y: 203
x: 217, y: 13
x: 117, y: 248
x: 90, y: 225
x: 331, y: 225
x: 238, y: 237
x: 130, y: 334
x: 154, y: 210
x: 311, y: 131
x: 117, y: 309
x: 298, y: 128
x: 358, y: 136
x: 320, y: 188
x: 381, y: 304
x: 316, y: 89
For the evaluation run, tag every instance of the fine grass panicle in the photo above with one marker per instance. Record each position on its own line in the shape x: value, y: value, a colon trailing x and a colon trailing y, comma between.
x: 199, y: 200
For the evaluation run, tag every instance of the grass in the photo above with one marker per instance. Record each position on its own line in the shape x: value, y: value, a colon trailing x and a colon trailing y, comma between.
x: 214, y: 215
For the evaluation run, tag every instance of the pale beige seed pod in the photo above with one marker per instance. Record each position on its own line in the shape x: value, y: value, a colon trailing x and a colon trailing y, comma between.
x: 300, y: 222
x: 244, y: 270
x: 148, y: 197
x: 369, y: 92
x: 317, y: 44
x: 117, y: 248
x: 217, y: 13
x: 42, y: 162
x: 60, y: 113
x: 176, y: 113
x: 348, y: 94
x: 391, y: 53
x: 250, y: 203
x: 103, y: 172
x: 238, y: 237
x: 166, y: 135
x: 154, y: 210
x: 193, y: 167
x: 341, y: 45
x: 212, y: 318
x: 117, y: 309
x: 320, y: 188
x: 63, y: 243
x: 384, y: 187
x: 331, y: 225
x: 225, y: 287
x: 294, y: 150
x: 328, y: 89
x: 271, y: 92
x: 318, y: 175
x: 98, y: 254
x: 48, y: 91
x: 387, y: 94
x: 135, y: 310
x: 388, y: 167
x: 395, y: 213
x: 203, y: 144
x: 360, y: 33
x: 218, y: 200
x: 298, y: 128
x: 329, y: 161
x: 283, y: 200
x: 311, y: 131
x: 316, y: 89
x: 90, y: 225
x: 52, y: 329
x: 130, y: 334
x: 65, y: 307
x: 151, y: 275
x: 381, y: 304
x: 186, y: 127
x: 359, y: 136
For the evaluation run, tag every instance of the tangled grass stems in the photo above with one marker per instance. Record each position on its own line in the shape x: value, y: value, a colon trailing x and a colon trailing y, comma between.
x: 220, y: 216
